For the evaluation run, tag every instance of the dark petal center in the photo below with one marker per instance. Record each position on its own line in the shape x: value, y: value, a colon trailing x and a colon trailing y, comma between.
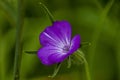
x: 66, y: 48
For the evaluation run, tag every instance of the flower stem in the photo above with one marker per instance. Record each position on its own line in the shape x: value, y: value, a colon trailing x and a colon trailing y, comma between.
x: 84, y: 44
x: 96, y: 35
x: 87, y: 69
x: 48, y: 12
x: 18, y: 50
x: 57, y: 68
x: 95, y: 38
x: 118, y: 57
x: 80, y: 55
x: 69, y: 62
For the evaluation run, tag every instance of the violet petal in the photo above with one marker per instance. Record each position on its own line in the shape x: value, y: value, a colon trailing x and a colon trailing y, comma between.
x: 49, y: 54
x: 58, y: 57
x: 57, y: 35
x: 75, y: 44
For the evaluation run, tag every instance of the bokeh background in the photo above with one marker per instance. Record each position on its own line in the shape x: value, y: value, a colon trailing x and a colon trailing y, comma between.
x: 97, y: 21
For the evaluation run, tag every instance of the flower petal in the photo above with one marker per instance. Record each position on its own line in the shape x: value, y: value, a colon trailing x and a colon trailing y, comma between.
x: 49, y: 54
x: 75, y: 44
x: 58, y: 34
x: 58, y: 57
x: 64, y: 30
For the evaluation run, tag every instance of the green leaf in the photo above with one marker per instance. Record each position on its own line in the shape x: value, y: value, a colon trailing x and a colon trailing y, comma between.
x: 31, y: 52
x: 8, y: 9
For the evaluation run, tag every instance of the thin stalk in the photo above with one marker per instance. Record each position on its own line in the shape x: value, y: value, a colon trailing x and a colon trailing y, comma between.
x: 18, y: 50
x: 117, y: 39
x: 48, y: 12
x: 84, y: 44
x: 80, y: 55
x: 118, y: 57
x: 95, y: 38
x: 57, y: 68
x: 69, y: 62
x: 87, y: 69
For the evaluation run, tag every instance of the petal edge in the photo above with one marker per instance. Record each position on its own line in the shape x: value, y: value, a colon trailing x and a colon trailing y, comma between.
x: 75, y: 44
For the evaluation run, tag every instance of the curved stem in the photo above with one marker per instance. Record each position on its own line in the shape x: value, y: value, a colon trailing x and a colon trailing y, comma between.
x: 117, y: 39
x: 57, y: 68
x: 87, y: 69
x: 48, y: 12
x: 96, y: 35
x: 18, y: 50
x: 84, y: 44
x: 118, y: 57
x: 85, y: 64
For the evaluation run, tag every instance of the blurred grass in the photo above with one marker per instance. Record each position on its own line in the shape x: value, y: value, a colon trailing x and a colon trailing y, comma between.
x: 85, y: 18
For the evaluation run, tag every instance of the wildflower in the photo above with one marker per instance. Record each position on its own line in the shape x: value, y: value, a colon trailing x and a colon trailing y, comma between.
x: 57, y: 44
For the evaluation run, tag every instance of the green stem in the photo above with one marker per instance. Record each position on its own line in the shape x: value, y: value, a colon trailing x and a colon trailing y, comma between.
x: 84, y: 44
x: 118, y: 57
x: 87, y: 69
x: 48, y: 12
x: 117, y: 39
x: 80, y: 55
x: 57, y: 68
x: 98, y: 29
x: 69, y: 62
x: 18, y: 50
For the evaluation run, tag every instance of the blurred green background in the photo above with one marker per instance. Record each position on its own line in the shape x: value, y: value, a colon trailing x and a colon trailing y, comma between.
x: 97, y: 21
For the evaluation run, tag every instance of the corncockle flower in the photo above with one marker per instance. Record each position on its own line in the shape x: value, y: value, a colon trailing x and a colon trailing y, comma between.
x: 57, y: 44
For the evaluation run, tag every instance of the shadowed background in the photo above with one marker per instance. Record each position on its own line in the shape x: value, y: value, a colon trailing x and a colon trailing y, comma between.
x: 97, y: 21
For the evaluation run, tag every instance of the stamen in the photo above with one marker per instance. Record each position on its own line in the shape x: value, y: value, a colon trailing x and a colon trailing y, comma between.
x: 66, y: 48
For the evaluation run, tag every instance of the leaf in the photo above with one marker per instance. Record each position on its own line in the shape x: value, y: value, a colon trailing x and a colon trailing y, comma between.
x: 31, y: 52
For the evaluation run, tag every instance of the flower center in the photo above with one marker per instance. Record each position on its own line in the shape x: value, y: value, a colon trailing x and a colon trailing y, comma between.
x: 66, y: 48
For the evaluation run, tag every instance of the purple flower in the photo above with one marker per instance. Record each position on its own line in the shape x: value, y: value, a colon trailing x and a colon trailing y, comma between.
x: 56, y: 43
